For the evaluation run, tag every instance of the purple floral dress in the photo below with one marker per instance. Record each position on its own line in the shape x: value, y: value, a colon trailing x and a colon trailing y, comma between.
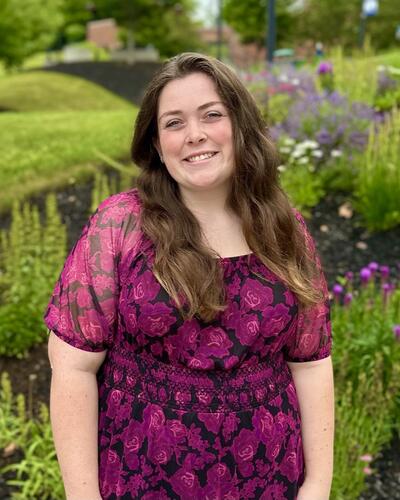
x: 187, y: 409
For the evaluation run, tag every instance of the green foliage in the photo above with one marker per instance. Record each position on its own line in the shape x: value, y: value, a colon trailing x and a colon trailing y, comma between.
x: 26, y: 27
x: 377, y: 192
x: 277, y: 108
x: 102, y: 189
x: 32, y: 255
x: 47, y: 91
x: 127, y: 175
x: 75, y: 33
x: 13, y: 418
x: 303, y: 187
x: 354, y: 77
x: 367, y: 381
x: 166, y: 24
x: 320, y: 20
x: 37, y: 475
x: 51, y: 148
x: 388, y: 100
x: 249, y: 19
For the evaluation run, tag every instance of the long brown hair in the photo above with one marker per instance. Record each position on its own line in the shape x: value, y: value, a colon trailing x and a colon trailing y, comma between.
x: 184, y: 265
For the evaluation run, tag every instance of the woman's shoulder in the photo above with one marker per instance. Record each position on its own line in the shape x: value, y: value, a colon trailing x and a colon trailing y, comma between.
x: 125, y: 201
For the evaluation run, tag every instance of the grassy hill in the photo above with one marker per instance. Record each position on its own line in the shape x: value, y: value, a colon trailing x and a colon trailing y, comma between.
x: 47, y: 91
x: 42, y: 150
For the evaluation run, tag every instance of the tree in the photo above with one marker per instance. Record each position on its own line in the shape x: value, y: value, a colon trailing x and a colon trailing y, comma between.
x: 165, y: 24
x: 249, y: 19
x: 26, y: 27
x: 335, y: 22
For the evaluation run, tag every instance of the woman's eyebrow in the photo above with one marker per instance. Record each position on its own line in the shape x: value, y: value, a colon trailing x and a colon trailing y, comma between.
x: 179, y: 112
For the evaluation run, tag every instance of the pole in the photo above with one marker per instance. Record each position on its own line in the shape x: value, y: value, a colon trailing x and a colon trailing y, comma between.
x: 363, y: 27
x: 219, y: 31
x: 271, y: 31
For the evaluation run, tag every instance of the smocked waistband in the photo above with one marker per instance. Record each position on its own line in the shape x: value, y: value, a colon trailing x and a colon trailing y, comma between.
x: 195, y: 390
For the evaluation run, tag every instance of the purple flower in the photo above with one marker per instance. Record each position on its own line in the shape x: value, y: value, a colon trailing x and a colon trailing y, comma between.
x: 385, y: 271
x: 337, y: 290
x: 348, y: 298
x: 373, y: 266
x: 396, y: 331
x: 365, y: 274
x: 349, y: 276
x: 324, y: 67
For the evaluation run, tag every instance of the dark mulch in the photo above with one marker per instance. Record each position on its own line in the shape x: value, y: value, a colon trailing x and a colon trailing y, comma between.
x: 338, y: 243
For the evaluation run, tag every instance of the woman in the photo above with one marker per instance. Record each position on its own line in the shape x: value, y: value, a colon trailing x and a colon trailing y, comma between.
x: 194, y: 314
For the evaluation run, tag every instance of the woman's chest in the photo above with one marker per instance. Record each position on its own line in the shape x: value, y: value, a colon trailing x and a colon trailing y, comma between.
x: 258, y: 316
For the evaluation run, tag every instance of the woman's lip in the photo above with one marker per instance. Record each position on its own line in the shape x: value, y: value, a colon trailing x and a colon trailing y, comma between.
x: 201, y: 161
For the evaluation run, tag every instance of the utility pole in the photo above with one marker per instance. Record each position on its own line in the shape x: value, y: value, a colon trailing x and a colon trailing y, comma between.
x: 270, y: 39
x: 219, y: 31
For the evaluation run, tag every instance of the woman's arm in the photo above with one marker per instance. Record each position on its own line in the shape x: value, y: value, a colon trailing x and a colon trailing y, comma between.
x: 74, y: 417
x: 315, y: 392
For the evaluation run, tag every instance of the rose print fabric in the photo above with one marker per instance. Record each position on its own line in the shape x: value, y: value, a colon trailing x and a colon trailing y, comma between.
x: 188, y: 410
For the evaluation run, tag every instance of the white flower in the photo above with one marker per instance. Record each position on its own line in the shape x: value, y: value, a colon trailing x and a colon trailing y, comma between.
x: 295, y: 81
x: 284, y: 149
x: 298, y: 153
x: 283, y: 78
x: 309, y: 144
x: 317, y: 153
x: 281, y: 168
x: 303, y: 161
x: 335, y: 153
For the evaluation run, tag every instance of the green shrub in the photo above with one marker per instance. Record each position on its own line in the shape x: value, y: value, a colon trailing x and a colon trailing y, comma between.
x: 377, y: 190
x: 31, y: 257
x: 366, y: 360
x: 37, y: 475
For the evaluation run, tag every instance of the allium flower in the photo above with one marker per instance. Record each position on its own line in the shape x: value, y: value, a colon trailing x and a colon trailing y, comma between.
x: 349, y: 276
x: 348, y: 298
x: 324, y: 68
x: 365, y: 274
x: 373, y: 266
x: 337, y: 289
x: 385, y: 271
x: 396, y: 332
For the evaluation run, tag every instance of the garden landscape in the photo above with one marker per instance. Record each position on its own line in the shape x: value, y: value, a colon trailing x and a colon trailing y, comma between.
x: 334, y: 115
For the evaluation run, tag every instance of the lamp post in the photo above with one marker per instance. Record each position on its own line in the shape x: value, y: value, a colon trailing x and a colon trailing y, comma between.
x: 270, y: 39
x: 369, y: 9
x: 219, y: 30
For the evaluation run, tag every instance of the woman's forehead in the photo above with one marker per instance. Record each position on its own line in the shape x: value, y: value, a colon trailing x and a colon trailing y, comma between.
x: 190, y: 91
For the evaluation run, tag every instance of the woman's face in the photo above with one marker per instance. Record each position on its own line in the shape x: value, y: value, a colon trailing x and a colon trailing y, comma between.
x: 195, y: 134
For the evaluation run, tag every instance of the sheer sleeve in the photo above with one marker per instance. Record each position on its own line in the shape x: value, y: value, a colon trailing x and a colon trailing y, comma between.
x: 311, y: 339
x: 83, y: 307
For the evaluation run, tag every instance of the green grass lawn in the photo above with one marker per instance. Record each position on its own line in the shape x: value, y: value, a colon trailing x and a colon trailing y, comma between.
x: 41, y: 150
x: 43, y: 90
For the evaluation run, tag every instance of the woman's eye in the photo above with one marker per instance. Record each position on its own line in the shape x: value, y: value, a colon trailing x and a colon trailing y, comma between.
x: 172, y: 123
x: 213, y: 114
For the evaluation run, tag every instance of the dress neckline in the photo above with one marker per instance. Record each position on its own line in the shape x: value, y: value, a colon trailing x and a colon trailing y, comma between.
x: 236, y: 257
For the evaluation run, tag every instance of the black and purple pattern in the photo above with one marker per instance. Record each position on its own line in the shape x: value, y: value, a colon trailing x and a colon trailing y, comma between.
x: 188, y: 410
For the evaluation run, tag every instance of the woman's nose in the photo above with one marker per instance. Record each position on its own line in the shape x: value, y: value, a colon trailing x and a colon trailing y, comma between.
x: 195, y: 133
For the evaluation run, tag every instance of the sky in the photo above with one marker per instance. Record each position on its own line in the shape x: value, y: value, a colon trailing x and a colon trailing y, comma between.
x: 207, y: 11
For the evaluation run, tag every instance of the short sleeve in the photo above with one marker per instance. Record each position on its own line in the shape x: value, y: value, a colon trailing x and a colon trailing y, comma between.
x: 83, y: 307
x: 311, y: 339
